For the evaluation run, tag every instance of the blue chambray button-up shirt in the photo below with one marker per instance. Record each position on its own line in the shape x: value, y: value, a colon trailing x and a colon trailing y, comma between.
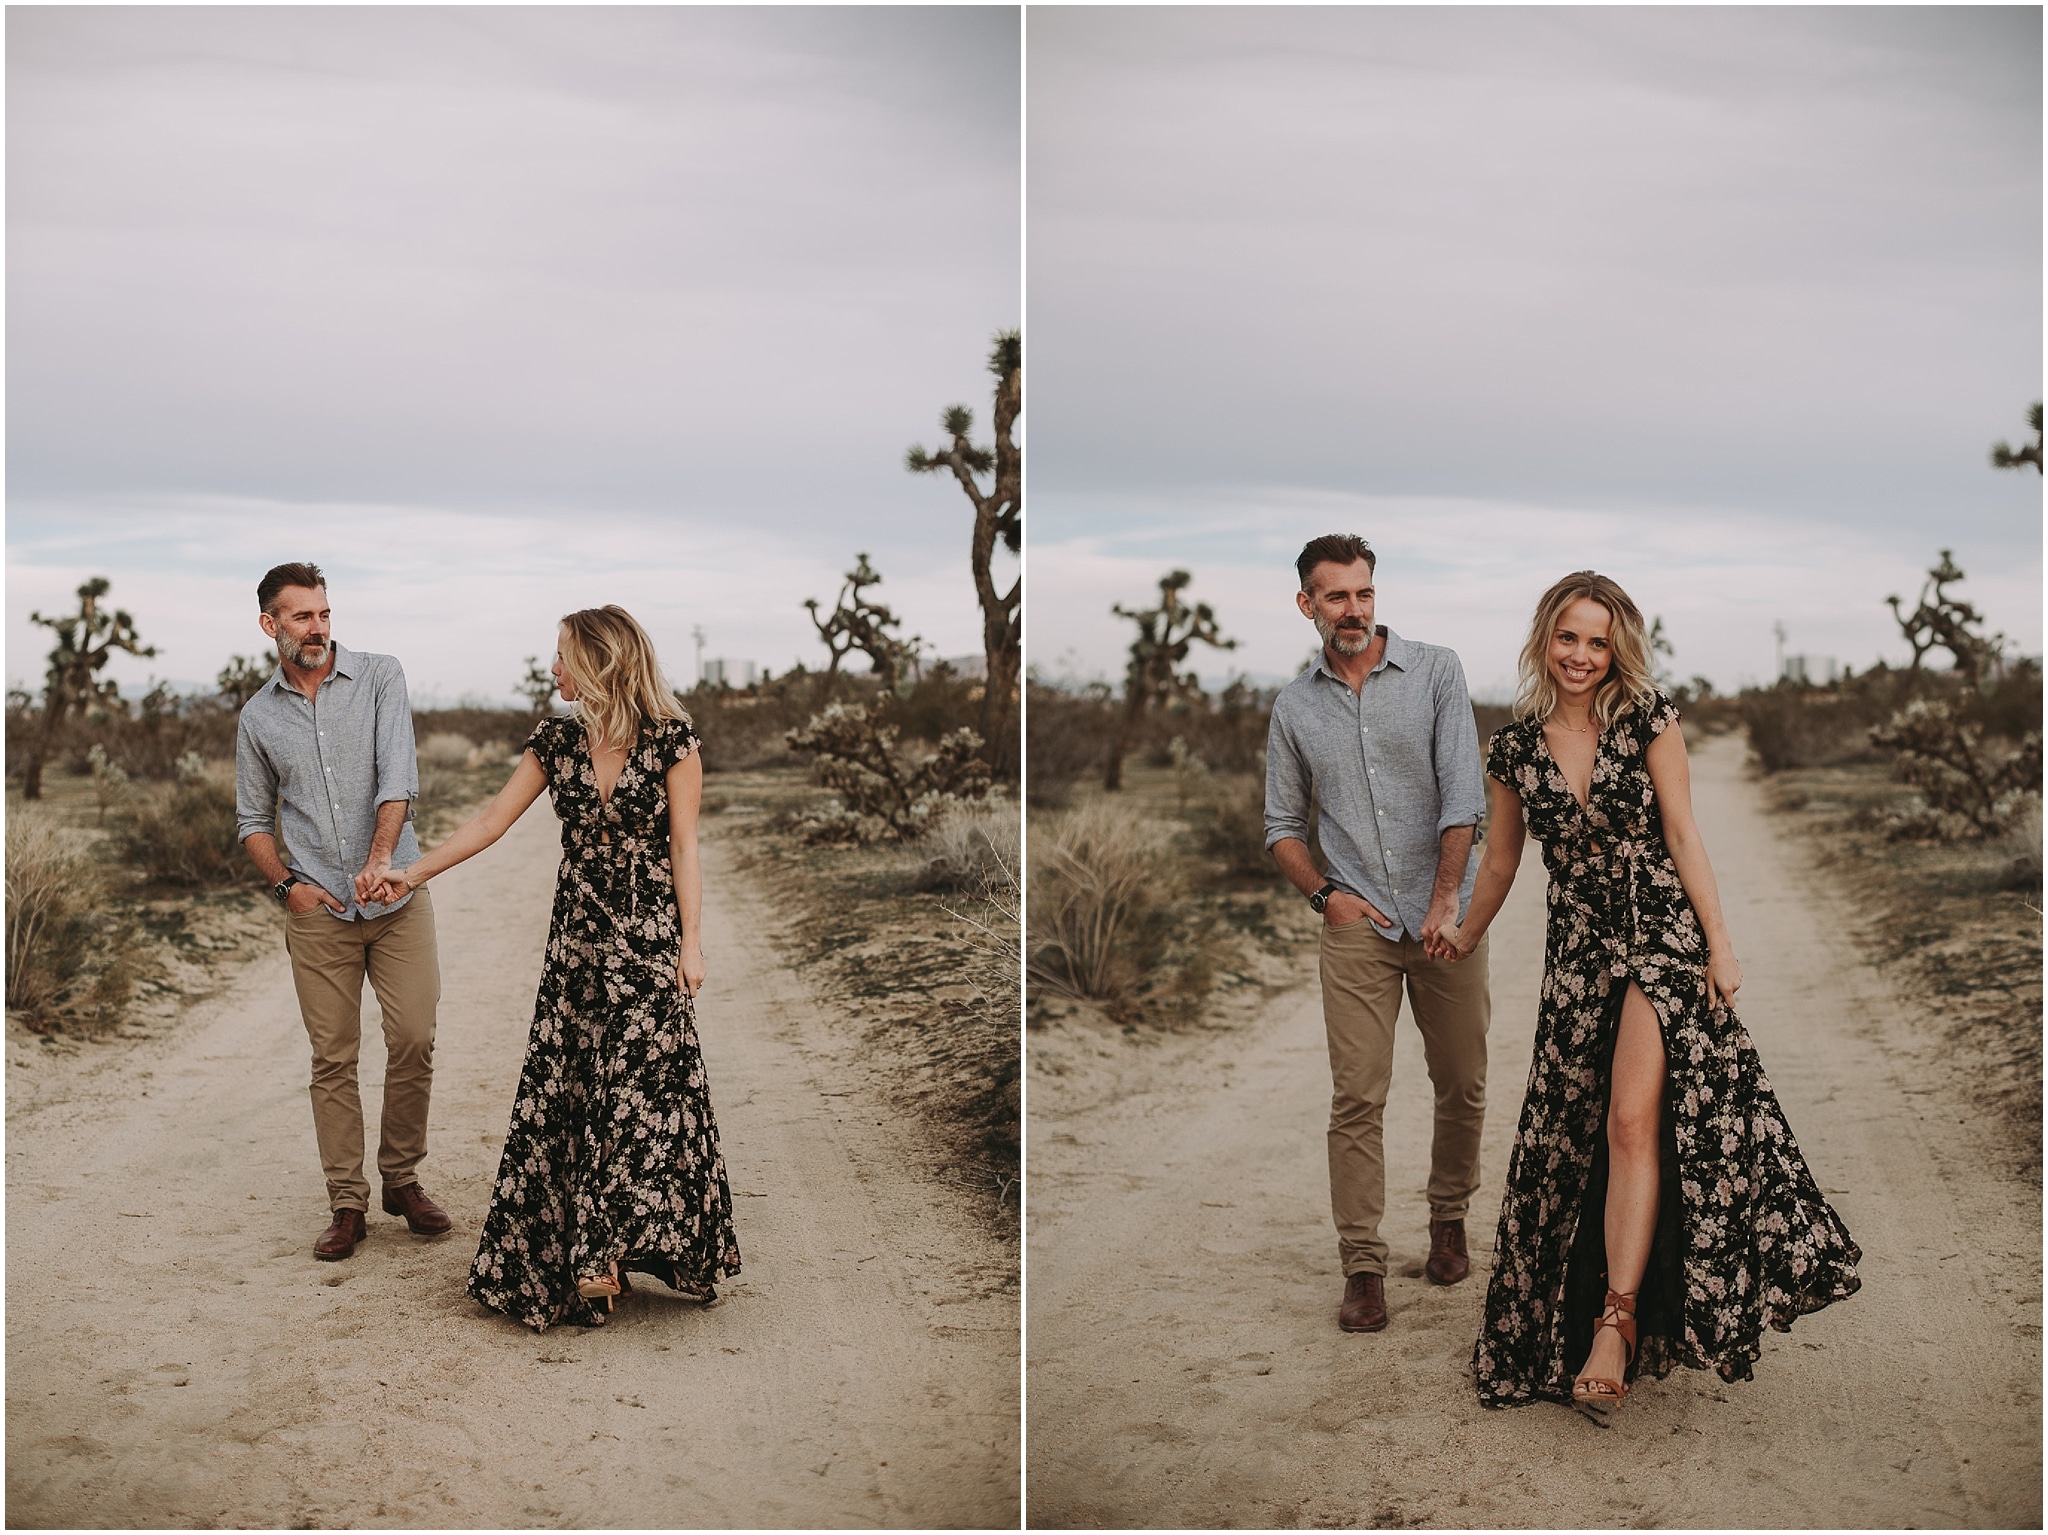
x: 321, y: 766
x: 1390, y: 768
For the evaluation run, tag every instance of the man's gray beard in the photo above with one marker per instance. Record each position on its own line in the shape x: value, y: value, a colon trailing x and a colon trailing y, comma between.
x: 292, y: 651
x: 1346, y: 642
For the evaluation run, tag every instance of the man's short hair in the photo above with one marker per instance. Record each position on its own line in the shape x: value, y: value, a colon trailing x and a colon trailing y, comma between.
x: 1333, y: 549
x: 280, y: 576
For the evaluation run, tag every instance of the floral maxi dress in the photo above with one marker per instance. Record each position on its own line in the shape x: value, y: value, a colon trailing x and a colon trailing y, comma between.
x: 612, y: 1155
x: 1744, y: 1237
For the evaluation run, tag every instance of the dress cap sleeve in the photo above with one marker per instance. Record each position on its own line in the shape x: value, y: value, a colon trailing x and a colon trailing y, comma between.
x: 1663, y: 713
x: 541, y: 739
x: 1504, y: 752
x: 676, y: 740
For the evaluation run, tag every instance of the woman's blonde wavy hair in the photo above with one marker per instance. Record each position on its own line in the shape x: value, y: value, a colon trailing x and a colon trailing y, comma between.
x: 1628, y: 683
x: 619, y: 686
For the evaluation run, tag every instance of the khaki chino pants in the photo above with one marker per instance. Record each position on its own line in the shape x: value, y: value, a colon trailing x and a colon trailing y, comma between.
x: 1362, y: 976
x: 330, y: 958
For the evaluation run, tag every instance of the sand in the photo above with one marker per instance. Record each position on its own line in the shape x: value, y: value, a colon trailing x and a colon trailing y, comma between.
x: 177, y: 1357
x: 1185, y: 1367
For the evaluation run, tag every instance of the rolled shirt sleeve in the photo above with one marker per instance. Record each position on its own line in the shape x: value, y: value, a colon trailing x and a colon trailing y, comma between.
x: 255, y: 785
x: 1287, y: 785
x: 398, y: 768
x: 1461, y: 783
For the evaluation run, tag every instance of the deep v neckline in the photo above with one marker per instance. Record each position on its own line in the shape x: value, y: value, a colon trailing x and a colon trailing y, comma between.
x: 604, y: 800
x: 1585, y: 806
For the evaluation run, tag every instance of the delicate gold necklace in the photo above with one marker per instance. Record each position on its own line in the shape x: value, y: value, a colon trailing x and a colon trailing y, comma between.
x: 1577, y: 730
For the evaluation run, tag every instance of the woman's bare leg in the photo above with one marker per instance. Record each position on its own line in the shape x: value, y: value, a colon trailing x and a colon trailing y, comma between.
x: 1635, y: 1108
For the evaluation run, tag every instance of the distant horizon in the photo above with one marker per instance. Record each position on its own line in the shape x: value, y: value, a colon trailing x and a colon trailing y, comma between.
x: 1727, y: 303
x: 499, y: 312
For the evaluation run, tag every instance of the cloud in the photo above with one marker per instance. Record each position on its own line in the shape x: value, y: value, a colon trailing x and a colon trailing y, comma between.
x: 496, y: 311
x: 1783, y: 264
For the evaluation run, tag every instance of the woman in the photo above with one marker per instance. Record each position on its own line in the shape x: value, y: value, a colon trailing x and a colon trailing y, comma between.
x: 612, y: 1160
x: 1657, y: 1210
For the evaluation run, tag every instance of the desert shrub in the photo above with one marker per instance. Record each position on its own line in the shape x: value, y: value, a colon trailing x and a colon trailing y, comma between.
x: 1230, y: 827
x: 973, y: 849
x: 53, y: 894
x: 1791, y: 725
x: 1973, y: 783
x: 1066, y: 735
x: 144, y: 740
x: 939, y: 703
x: 2010, y: 706
x: 498, y: 732
x: 994, y: 970
x: 885, y: 794
x: 446, y: 749
x: 1104, y: 922
x: 187, y: 837
x: 1095, y: 925
x: 748, y: 727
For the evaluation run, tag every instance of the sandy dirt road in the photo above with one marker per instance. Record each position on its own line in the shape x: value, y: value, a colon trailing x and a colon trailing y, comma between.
x: 177, y: 1357
x: 1185, y: 1364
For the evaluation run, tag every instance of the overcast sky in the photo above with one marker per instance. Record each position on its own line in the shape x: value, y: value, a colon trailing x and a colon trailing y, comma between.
x: 1728, y: 303
x: 498, y: 312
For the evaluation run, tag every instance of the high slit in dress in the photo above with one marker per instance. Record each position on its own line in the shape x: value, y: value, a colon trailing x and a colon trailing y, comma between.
x: 612, y: 1156
x: 1743, y: 1237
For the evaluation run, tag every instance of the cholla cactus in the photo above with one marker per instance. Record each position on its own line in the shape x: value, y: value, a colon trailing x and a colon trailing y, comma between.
x: 1973, y: 787
x: 884, y: 796
x: 191, y: 766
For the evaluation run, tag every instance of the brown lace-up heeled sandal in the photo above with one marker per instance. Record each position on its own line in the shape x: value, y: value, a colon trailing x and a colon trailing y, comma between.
x: 1596, y: 1393
x: 605, y: 1287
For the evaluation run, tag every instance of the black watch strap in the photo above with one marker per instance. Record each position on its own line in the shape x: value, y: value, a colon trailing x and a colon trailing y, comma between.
x: 283, y: 888
x: 1322, y: 897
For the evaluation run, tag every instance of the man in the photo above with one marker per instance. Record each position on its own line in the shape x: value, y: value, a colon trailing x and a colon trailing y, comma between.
x: 1379, y: 733
x: 325, y: 749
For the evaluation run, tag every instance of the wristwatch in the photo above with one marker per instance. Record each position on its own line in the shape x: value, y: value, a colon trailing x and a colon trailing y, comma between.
x: 1322, y: 897
x: 283, y: 889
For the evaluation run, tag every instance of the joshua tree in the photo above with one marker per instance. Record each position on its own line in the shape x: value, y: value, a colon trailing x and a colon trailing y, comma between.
x: 1660, y: 645
x: 1946, y: 621
x: 857, y: 623
x: 998, y: 516
x: 243, y: 678
x: 537, y: 686
x: 86, y: 641
x: 2003, y: 456
x: 1164, y: 635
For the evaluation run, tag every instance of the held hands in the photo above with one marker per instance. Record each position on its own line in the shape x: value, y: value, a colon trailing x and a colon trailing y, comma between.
x: 383, y: 885
x: 1449, y: 942
x: 1442, y: 938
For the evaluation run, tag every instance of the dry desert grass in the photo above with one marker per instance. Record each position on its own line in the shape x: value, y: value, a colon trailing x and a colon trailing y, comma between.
x: 917, y: 944
x: 1954, y: 926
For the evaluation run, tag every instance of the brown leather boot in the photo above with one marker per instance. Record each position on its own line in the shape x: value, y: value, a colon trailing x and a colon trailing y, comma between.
x: 1365, y: 1303
x: 1447, y: 1260
x: 426, y: 1218
x: 339, y: 1239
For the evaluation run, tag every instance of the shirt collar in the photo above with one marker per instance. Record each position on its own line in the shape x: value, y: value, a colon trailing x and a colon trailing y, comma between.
x: 1399, y: 652
x: 344, y: 666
